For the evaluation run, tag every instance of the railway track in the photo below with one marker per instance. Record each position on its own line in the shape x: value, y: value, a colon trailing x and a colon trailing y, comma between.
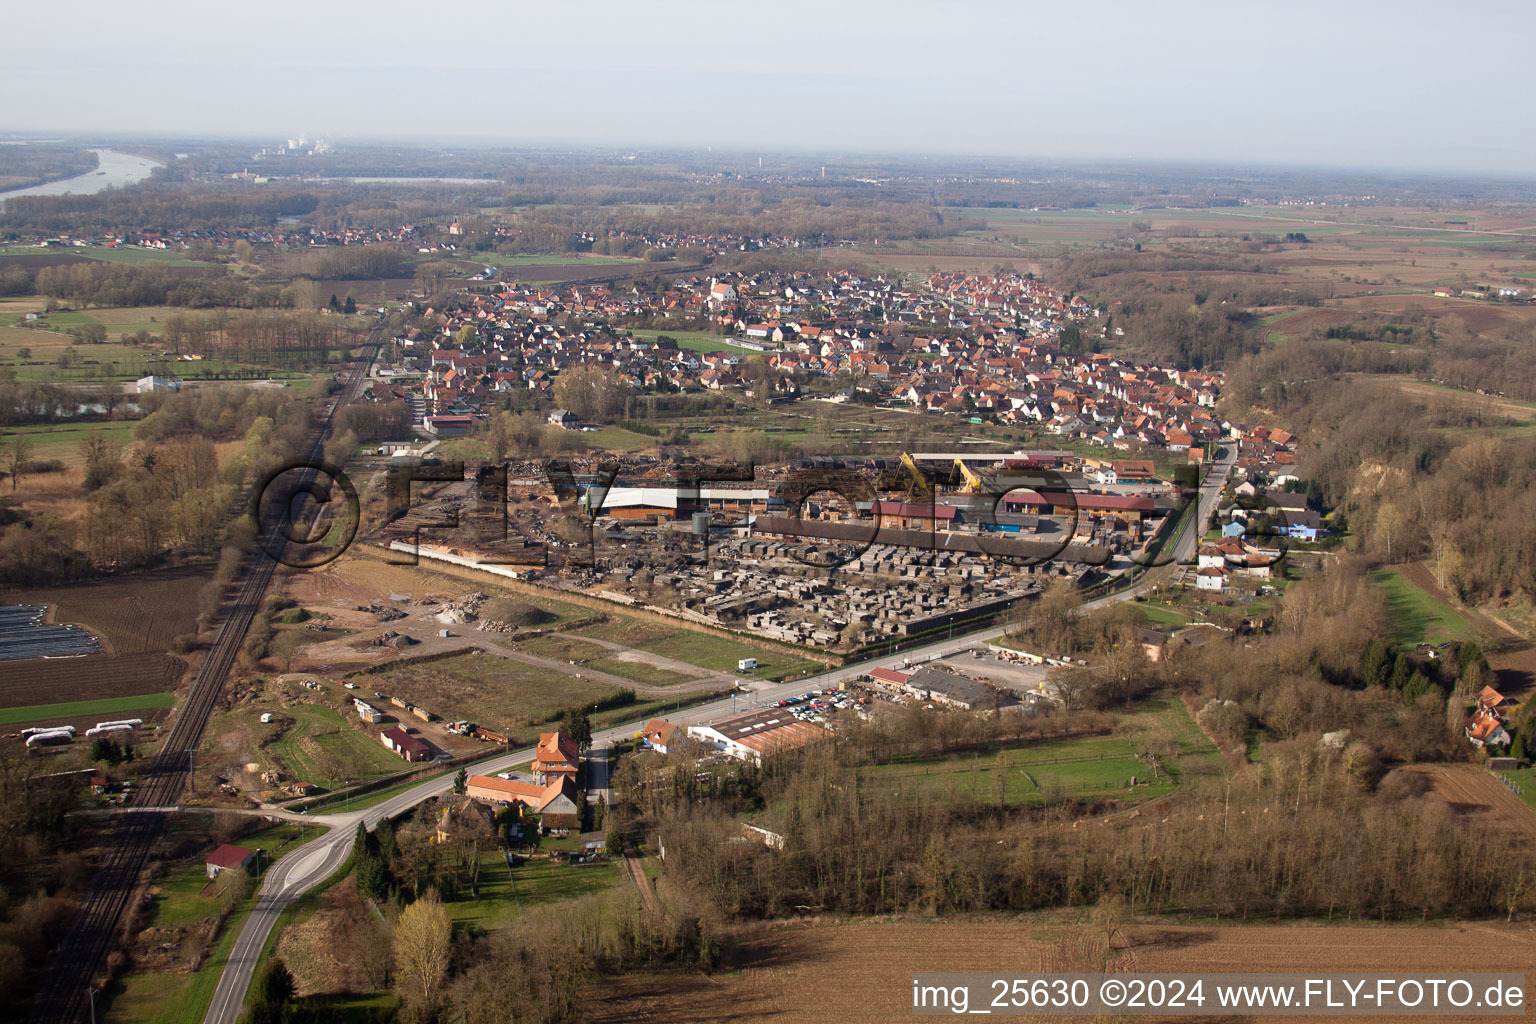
x: 65, y: 996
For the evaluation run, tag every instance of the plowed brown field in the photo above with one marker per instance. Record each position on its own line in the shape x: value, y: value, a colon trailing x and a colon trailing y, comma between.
x: 834, y: 973
x: 1472, y: 791
x: 53, y: 681
x: 133, y: 614
x: 136, y: 618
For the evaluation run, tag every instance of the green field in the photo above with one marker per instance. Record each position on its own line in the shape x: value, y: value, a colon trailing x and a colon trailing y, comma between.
x: 1525, y: 778
x: 695, y: 341
x: 506, y: 892
x: 86, y: 708
x: 131, y: 255
x: 510, y: 696
x: 1037, y: 230
x: 47, y: 339
x: 492, y: 259
x: 721, y: 654
x: 120, y: 320
x: 1080, y: 768
x: 1161, y: 615
x: 702, y: 649
x: 1077, y: 769
x: 1415, y: 615
x: 323, y: 748
x: 62, y: 440
x: 564, y: 648
x: 494, y: 691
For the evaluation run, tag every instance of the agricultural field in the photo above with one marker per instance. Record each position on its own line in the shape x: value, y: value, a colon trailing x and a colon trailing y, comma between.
x: 496, y: 692
x: 143, y: 612
x: 574, y: 259
x: 307, y: 742
x: 705, y: 650
x: 565, y: 647
x: 1483, y: 800
x: 136, y: 618
x: 47, y: 682
x: 861, y: 971
x: 1084, y: 768
x: 508, y: 892
x: 46, y: 341
x: 132, y: 255
x: 1378, y: 261
x: 1081, y: 768
x: 74, y: 712
x: 1417, y: 616
x: 61, y: 441
x: 510, y: 696
x: 693, y: 341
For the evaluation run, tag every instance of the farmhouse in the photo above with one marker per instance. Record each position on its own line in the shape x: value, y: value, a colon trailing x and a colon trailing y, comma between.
x: 404, y: 744
x: 464, y: 817
x: 748, y: 737
x: 556, y: 757
x: 227, y: 858
x: 660, y: 735
x: 556, y: 802
x: 1486, y: 729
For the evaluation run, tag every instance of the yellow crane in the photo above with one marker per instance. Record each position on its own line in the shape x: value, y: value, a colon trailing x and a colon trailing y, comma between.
x: 972, y: 482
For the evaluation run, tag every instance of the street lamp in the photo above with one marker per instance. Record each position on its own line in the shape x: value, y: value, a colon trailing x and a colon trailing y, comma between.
x: 92, y: 993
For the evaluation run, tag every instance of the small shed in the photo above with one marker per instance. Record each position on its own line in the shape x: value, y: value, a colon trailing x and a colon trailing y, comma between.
x: 227, y: 858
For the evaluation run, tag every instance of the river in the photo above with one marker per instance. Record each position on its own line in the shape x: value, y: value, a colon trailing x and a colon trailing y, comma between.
x: 113, y: 169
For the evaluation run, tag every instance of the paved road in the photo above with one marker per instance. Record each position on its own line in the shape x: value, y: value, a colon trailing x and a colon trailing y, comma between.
x: 294, y: 873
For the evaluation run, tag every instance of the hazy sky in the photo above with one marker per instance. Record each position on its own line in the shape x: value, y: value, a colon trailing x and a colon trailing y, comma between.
x: 1389, y: 83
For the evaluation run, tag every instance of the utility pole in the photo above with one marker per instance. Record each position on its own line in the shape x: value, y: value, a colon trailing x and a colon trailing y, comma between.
x: 191, y: 777
x: 92, y: 993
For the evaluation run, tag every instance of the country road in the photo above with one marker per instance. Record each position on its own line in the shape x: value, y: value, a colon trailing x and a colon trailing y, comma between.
x: 293, y: 874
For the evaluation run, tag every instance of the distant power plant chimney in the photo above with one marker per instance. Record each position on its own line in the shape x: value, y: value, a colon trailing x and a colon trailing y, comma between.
x: 823, y: 170
x: 759, y: 163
